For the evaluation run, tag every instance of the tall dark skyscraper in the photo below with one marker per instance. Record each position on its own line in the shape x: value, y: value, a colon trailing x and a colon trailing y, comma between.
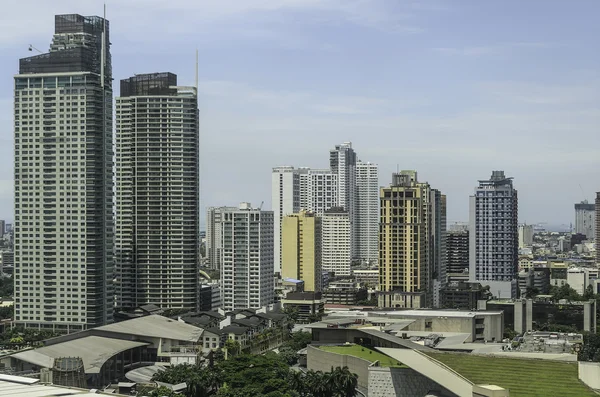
x: 493, y: 235
x: 157, y: 222
x: 64, y: 180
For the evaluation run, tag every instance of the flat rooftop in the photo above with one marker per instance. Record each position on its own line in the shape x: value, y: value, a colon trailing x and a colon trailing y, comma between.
x: 523, y: 377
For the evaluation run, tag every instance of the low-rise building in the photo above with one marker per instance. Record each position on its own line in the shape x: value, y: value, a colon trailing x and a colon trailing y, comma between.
x: 307, y: 305
x: 367, y: 277
x: 344, y: 293
x: 462, y: 295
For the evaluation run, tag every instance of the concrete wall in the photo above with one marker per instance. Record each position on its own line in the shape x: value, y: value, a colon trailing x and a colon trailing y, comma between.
x: 401, y: 382
x: 589, y: 373
x: 320, y: 360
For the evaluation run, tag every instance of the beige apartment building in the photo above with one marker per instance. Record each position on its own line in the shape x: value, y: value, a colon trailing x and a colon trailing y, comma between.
x: 403, y: 242
x: 301, y: 249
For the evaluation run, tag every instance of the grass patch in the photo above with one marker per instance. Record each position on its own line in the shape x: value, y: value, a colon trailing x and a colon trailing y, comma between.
x: 522, y: 377
x: 364, y: 353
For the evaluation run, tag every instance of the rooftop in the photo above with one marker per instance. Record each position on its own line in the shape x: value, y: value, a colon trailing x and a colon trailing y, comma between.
x: 155, y: 326
x: 18, y: 386
x: 364, y: 353
x: 93, y: 350
x: 522, y: 377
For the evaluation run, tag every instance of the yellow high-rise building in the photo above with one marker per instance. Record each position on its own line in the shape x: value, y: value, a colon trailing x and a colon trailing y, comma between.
x: 301, y: 249
x: 404, y: 271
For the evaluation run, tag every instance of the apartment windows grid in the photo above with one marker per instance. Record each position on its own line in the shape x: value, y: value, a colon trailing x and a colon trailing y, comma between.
x: 246, y: 257
x: 158, y: 194
x: 63, y: 180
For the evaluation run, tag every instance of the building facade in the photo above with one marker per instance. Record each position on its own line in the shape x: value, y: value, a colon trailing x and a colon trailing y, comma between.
x: 437, y: 246
x: 457, y: 252
x: 525, y: 236
x: 367, y: 212
x: 285, y: 200
x: 597, y: 204
x: 246, y: 257
x: 301, y: 249
x: 63, y: 180
x: 213, y: 237
x: 318, y: 191
x: 158, y: 194
x: 336, y: 254
x: 404, y: 237
x: 585, y: 219
x: 493, y: 235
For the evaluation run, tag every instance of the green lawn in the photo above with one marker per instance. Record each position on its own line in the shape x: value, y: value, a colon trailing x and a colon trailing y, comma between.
x: 522, y: 377
x: 364, y: 353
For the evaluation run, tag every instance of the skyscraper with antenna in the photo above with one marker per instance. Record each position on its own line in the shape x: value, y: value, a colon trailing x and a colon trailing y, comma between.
x: 63, y: 180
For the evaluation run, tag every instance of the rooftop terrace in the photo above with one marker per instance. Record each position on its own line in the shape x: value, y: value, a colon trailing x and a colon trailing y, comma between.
x: 364, y: 353
x: 522, y: 377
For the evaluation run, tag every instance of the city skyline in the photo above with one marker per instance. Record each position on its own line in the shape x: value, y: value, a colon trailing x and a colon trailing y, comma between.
x: 393, y: 102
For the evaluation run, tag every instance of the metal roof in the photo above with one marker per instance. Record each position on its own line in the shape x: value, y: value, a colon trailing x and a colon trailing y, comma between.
x: 155, y: 326
x: 93, y: 350
x: 19, y: 386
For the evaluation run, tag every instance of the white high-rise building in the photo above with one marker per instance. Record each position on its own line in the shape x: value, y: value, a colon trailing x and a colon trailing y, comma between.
x: 246, y: 257
x: 336, y: 247
x: 347, y: 184
x: 367, y: 212
x: 213, y: 237
x: 157, y: 217
x: 342, y: 162
x: 585, y: 219
x: 318, y: 191
x: 525, y: 236
x: 493, y: 235
x: 285, y: 200
x: 64, y: 180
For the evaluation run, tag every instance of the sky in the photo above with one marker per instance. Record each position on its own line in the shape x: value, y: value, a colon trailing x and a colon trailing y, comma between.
x: 452, y: 89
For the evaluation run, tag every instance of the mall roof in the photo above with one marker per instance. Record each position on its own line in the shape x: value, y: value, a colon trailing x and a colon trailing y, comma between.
x: 155, y: 326
x: 93, y: 350
x: 19, y: 386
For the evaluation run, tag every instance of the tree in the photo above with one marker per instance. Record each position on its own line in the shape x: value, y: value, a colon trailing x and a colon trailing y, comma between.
x: 291, y: 313
x: 298, y: 341
x: 589, y: 293
x: 565, y: 292
x: 162, y: 392
x: 345, y: 381
x: 531, y: 292
x: 233, y: 347
x: 288, y: 355
x: 590, y: 351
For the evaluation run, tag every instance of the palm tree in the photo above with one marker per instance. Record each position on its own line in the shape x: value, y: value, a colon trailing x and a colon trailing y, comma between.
x: 345, y: 381
x: 297, y: 381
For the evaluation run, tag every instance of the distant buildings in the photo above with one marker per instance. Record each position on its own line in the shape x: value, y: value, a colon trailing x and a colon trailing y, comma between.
x: 493, y: 245
x: 157, y: 217
x: 407, y: 246
x: 367, y: 212
x: 525, y: 236
x: 246, y: 257
x: 597, y: 227
x: 348, y: 184
x: 301, y: 249
x: 585, y: 219
x: 457, y: 253
x: 64, y: 180
x: 2, y: 228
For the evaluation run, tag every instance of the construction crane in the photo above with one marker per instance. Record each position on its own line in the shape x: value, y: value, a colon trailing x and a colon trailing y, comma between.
x: 261, y: 205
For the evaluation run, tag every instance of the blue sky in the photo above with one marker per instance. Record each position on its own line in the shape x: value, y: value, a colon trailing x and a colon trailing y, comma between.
x: 452, y: 89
